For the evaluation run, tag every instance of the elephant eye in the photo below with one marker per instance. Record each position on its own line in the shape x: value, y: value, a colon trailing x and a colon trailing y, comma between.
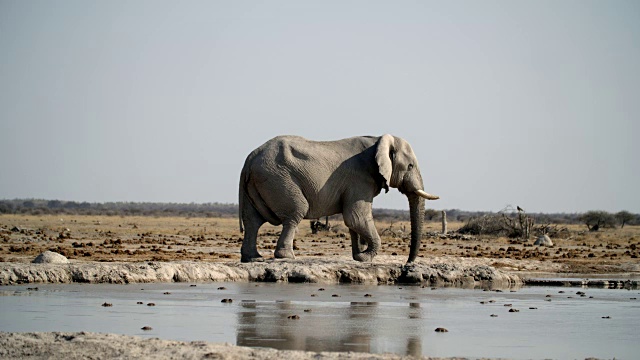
x: 410, y: 166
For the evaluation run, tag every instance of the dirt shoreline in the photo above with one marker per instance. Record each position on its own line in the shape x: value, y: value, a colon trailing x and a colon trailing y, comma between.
x: 435, y: 272
x: 85, y: 345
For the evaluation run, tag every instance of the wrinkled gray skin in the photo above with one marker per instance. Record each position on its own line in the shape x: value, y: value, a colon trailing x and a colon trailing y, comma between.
x: 290, y: 178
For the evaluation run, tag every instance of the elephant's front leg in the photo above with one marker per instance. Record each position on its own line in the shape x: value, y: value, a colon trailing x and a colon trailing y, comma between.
x: 284, y: 247
x: 358, y: 244
x: 359, y: 220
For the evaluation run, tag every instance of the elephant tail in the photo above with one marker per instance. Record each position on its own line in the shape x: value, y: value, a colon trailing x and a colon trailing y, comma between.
x: 240, y: 218
x: 242, y: 190
x: 242, y: 193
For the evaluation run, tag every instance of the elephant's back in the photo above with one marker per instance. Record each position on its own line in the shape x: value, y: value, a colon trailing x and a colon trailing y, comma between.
x: 298, y: 155
x: 308, y: 149
x: 286, y: 150
x: 275, y: 151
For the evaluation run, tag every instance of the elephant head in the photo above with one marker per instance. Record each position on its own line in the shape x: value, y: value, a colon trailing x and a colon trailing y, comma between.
x: 399, y: 169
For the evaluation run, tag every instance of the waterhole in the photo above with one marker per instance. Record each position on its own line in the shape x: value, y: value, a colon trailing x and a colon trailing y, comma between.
x: 550, y: 322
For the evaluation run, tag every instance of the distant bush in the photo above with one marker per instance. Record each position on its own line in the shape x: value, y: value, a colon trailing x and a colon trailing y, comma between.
x: 512, y: 223
x: 488, y: 224
x: 51, y: 207
x: 474, y: 220
x: 624, y: 217
x: 595, y: 220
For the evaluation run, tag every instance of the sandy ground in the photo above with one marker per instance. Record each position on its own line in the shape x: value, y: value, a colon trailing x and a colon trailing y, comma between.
x: 111, y: 346
x: 104, y: 249
x: 136, y: 239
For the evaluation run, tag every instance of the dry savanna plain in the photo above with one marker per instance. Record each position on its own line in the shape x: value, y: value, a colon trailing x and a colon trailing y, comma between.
x: 145, y: 238
x: 126, y: 241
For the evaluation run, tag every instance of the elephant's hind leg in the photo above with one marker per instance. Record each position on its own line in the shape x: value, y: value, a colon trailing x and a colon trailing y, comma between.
x: 252, y: 221
x: 287, y: 202
x: 284, y: 247
x: 249, y: 251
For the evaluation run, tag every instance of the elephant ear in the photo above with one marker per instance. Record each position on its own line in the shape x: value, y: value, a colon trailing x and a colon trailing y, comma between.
x: 384, y: 155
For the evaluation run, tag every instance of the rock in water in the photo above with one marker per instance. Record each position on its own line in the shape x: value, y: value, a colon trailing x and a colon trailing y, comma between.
x: 50, y: 257
x: 543, y: 240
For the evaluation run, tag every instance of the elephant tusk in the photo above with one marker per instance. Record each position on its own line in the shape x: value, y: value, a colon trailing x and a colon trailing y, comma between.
x: 427, y: 195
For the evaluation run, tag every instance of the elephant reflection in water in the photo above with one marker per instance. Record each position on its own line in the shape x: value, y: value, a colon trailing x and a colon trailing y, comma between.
x: 267, y: 324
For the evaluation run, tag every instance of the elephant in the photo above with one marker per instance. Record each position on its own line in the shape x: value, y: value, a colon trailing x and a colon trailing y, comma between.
x: 290, y: 178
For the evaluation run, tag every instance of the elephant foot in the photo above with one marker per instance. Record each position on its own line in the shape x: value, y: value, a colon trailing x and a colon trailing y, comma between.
x: 284, y: 254
x: 251, y: 258
x: 364, y: 256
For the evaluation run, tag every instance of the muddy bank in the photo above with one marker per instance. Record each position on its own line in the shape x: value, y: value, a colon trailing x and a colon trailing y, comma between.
x: 598, y: 283
x: 83, y: 345
x: 437, y: 271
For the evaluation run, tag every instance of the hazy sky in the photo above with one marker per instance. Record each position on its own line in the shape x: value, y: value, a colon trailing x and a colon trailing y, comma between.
x: 529, y: 103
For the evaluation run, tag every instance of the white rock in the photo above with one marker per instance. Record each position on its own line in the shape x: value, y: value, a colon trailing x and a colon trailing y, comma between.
x: 50, y: 257
x: 543, y: 240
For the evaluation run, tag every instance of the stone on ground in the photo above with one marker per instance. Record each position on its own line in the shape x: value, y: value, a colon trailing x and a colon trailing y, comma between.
x: 50, y: 257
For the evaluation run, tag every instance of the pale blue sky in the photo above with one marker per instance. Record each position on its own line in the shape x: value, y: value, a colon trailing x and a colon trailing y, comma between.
x: 530, y: 103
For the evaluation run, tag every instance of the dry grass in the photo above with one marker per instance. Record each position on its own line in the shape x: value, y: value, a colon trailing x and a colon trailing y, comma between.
x: 105, y: 238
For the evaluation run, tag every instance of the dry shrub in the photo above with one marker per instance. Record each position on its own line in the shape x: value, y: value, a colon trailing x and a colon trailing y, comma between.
x: 488, y: 224
x: 510, y: 223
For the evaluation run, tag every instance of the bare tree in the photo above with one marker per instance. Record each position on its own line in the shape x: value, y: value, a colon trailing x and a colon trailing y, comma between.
x: 597, y: 219
x: 624, y: 217
x: 520, y: 226
x: 444, y: 222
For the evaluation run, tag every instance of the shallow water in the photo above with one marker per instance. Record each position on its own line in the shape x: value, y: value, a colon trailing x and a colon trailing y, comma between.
x: 396, y: 319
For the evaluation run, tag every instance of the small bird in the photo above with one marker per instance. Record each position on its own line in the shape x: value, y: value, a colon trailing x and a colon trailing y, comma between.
x: 519, y: 208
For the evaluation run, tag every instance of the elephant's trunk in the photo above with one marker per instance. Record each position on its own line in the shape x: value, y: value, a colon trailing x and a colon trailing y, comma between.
x: 416, y: 211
